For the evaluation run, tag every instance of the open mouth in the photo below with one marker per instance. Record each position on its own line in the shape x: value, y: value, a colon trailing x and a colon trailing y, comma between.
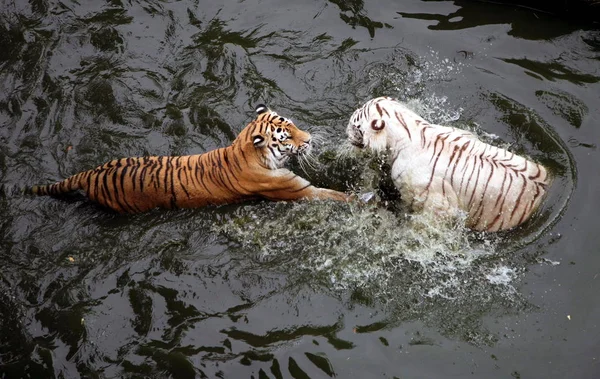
x: 305, y: 149
x: 357, y: 144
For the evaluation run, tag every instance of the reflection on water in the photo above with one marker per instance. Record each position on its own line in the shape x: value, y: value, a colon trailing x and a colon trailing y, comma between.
x: 274, y: 290
x: 353, y: 14
x: 552, y: 71
x: 486, y: 13
x: 372, y: 252
x: 564, y: 105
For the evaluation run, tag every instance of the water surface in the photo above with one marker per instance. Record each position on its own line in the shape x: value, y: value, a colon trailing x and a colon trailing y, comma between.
x: 309, y: 289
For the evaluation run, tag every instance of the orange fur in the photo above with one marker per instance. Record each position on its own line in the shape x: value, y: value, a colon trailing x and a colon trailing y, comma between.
x: 251, y: 167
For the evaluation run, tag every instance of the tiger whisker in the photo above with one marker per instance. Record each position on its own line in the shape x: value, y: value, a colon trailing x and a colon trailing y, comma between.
x: 345, y: 150
x: 318, y: 138
x: 138, y: 184
x: 312, y: 161
x: 306, y: 163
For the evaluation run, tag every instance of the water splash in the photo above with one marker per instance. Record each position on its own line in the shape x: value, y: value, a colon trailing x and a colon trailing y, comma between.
x: 406, y: 263
x: 374, y: 251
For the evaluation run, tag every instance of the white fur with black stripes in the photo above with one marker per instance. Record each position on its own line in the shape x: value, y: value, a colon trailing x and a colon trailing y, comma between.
x: 447, y: 170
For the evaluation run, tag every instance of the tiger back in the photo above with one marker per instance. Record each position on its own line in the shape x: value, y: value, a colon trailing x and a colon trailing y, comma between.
x: 445, y: 170
x: 251, y: 167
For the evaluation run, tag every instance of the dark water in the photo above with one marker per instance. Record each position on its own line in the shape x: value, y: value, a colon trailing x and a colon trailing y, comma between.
x: 291, y: 290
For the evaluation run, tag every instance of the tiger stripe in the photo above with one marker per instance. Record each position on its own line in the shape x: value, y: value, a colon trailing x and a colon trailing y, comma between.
x: 444, y: 169
x: 251, y: 167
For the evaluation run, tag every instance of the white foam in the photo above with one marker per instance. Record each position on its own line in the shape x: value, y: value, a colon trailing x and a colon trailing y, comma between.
x: 353, y: 245
x: 416, y: 266
x: 501, y: 275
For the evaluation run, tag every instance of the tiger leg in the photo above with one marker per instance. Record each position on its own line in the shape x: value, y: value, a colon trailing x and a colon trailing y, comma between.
x: 324, y: 193
x: 309, y: 192
x: 292, y: 187
x: 436, y: 199
x: 441, y: 200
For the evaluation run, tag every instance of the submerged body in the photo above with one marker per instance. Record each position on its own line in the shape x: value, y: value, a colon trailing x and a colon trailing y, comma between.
x: 447, y: 170
x: 251, y: 167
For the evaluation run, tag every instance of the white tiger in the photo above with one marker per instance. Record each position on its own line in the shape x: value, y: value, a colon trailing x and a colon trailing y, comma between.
x: 446, y: 170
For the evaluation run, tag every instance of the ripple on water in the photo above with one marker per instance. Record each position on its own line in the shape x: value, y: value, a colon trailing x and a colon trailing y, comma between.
x: 416, y: 267
x: 365, y: 251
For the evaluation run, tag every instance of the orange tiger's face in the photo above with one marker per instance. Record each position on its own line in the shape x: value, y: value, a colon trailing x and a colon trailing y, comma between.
x: 276, y: 137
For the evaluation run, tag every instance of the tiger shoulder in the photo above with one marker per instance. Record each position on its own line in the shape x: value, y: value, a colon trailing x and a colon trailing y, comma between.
x: 251, y: 167
x: 445, y: 170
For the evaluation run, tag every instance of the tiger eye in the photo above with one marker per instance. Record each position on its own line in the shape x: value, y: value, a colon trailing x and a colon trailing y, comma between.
x: 377, y: 124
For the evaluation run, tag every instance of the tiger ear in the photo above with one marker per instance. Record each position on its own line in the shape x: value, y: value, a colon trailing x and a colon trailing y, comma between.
x: 377, y: 124
x: 258, y: 140
x: 261, y: 108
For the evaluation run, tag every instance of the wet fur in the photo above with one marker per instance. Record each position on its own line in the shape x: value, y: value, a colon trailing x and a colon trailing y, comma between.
x: 251, y: 167
x: 446, y: 170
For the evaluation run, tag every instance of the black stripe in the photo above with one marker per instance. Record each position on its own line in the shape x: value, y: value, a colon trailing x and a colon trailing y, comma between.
x: 476, y: 181
x: 88, y: 181
x: 143, y: 177
x: 170, y: 170
x: 403, y: 123
x: 501, y: 192
x: 192, y: 170
x: 104, y: 196
x: 504, y: 199
x: 482, y: 201
x: 133, y: 175
x: 470, y: 176
x: 185, y: 170
x: 227, y: 170
x: 518, y: 199
x: 96, y: 183
x: 116, y: 188
x: 159, y: 166
x: 538, y: 173
x: 443, y: 188
x: 122, y: 174
x: 450, y: 162
x: 458, y: 161
x: 105, y: 185
x: 237, y: 162
x: 237, y: 181
x: 423, y: 137
x: 434, y: 166
x: 243, y: 155
x: 181, y: 184
x: 200, y: 167
x: 437, y: 138
x: 218, y: 175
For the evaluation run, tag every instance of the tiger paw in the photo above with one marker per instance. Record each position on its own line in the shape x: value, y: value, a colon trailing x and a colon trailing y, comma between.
x: 366, y: 197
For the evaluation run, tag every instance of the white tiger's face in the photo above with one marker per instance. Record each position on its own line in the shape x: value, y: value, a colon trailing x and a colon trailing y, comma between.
x: 367, y: 126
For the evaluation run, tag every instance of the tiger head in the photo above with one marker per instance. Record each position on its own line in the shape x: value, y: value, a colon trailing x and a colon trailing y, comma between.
x: 371, y: 125
x: 274, y: 137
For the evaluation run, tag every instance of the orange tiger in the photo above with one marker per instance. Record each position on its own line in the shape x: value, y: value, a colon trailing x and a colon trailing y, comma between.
x: 251, y: 167
x: 444, y: 170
